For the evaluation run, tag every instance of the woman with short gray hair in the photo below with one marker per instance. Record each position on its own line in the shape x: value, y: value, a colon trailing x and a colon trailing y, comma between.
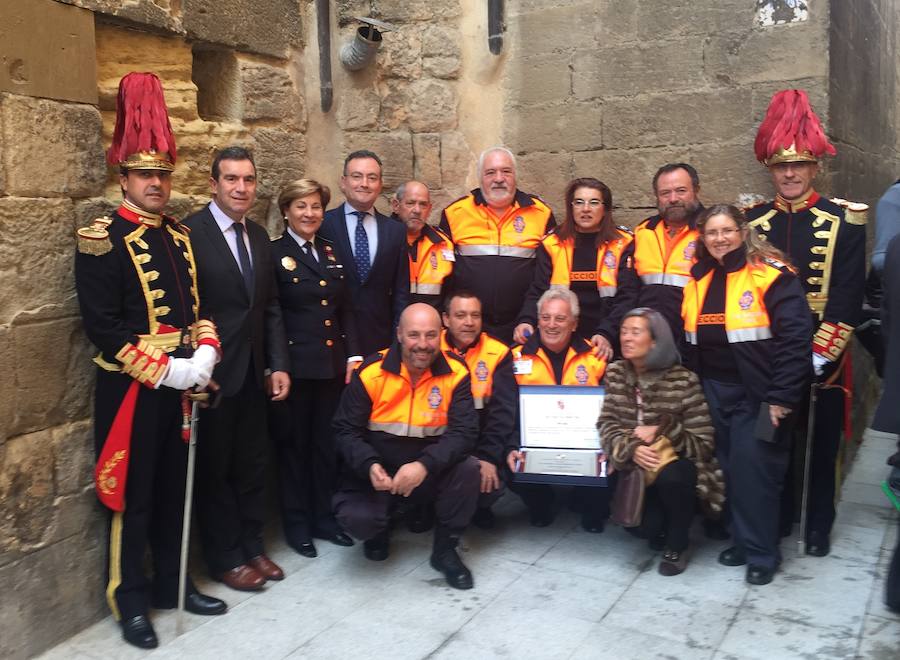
x: 655, y: 419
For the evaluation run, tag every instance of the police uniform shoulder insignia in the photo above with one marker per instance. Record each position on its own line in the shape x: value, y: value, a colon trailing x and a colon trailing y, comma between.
x: 855, y: 213
x: 94, y: 239
x: 775, y: 263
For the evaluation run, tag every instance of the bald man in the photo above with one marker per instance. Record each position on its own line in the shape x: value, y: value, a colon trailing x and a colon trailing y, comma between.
x: 405, y: 426
x: 430, y: 251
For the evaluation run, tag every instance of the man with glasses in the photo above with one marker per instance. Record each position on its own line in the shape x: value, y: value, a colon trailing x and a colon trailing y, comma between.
x: 372, y: 248
x: 497, y: 229
x: 665, y: 243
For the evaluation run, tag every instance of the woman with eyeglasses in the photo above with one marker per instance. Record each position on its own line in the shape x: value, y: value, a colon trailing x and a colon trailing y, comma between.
x: 593, y: 258
x: 747, y: 324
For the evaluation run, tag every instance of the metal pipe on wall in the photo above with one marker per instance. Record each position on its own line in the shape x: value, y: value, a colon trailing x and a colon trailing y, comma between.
x: 323, y: 27
x: 495, y: 26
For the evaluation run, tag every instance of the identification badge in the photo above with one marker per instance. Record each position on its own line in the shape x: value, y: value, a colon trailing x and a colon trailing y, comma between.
x: 448, y: 255
x: 522, y: 367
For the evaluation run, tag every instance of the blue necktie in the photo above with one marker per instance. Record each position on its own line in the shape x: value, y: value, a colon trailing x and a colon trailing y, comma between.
x: 244, y: 258
x: 361, y: 241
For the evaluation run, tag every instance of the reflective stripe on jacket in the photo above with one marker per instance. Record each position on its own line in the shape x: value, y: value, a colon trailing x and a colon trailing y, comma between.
x: 745, y: 317
x: 433, y: 264
x: 651, y: 260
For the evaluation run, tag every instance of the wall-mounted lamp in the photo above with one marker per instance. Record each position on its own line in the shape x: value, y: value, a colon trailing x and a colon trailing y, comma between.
x: 358, y: 52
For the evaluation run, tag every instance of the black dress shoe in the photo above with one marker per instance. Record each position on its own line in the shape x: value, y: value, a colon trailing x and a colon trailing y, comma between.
x: 341, y: 539
x: 137, y: 631
x: 483, y: 518
x: 194, y: 602
x: 377, y: 548
x: 817, y: 544
x: 456, y: 573
x: 759, y: 574
x: 592, y: 526
x: 733, y: 556
x: 305, y: 548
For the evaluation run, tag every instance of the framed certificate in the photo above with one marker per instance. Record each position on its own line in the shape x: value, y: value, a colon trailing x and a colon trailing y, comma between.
x: 559, y: 435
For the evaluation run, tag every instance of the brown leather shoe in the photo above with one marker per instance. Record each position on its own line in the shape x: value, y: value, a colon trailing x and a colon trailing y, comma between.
x: 267, y: 568
x: 243, y: 578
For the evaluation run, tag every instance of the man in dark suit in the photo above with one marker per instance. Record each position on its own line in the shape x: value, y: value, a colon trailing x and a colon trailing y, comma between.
x: 237, y: 288
x: 373, y: 248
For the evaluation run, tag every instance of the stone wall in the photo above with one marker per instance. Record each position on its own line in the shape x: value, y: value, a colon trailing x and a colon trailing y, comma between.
x: 599, y: 88
x: 615, y: 89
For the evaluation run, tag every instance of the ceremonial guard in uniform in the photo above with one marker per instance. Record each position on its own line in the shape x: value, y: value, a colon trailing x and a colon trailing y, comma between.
x: 137, y: 289
x: 826, y: 242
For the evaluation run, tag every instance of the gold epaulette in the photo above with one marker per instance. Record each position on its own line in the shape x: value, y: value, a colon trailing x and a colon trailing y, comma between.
x: 855, y: 213
x: 831, y: 339
x: 94, y: 239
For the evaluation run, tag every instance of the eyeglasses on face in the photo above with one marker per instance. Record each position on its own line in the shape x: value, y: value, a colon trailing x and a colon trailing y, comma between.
x: 592, y: 203
x: 724, y: 233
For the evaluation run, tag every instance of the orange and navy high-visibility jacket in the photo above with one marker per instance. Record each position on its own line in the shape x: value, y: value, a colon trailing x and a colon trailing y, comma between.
x: 494, y: 391
x: 581, y: 367
x: 495, y: 257
x: 383, y: 418
x: 614, y: 285
x: 664, y: 267
x: 765, y: 320
x: 431, y: 268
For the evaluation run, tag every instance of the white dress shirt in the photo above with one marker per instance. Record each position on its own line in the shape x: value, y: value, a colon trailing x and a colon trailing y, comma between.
x: 302, y: 241
x: 226, y: 224
x: 369, y: 224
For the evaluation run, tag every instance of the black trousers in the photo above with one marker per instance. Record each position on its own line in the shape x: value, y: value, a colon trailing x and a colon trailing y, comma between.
x: 231, y: 463
x: 365, y: 512
x: 820, y: 506
x: 301, y: 427
x: 154, y: 494
x: 669, y: 505
x: 754, y: 469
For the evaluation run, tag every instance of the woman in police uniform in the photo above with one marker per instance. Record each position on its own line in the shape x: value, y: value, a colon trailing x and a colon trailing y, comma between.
x: 321, y: 335
x: 592, y: 257
x: 748, y: 327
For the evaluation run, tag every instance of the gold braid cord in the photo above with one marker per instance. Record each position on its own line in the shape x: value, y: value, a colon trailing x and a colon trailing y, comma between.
x: 143, y: 362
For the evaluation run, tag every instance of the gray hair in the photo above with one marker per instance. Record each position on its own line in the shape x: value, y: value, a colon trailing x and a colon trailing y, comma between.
x: 665, y: 353
x: 557, y: 292
x: 488, y: 152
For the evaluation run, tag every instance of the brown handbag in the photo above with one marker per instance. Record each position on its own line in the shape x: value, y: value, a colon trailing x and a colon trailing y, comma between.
x: 628, y: 500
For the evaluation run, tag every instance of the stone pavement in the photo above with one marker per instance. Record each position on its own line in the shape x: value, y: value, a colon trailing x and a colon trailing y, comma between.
x: 556, y: 592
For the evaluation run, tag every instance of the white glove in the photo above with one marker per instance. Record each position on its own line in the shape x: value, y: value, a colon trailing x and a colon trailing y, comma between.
x: 205, y: 360
x: 181, y: 374
x: 819, y: 364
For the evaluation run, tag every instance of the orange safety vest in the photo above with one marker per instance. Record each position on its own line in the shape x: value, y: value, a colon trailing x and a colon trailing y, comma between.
x: 582, y: 368
x: 482, y: 358
x: 477, y: 231
x: 606, y: 273
x: 400, y: 409
x: 745, y: 316
x: 652, y: 262
x: 433, y: 264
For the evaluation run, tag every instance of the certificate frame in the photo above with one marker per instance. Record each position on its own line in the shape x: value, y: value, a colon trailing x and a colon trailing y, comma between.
x: 533, y: 402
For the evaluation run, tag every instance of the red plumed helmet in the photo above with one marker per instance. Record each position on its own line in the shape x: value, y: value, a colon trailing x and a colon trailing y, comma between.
x: 791, y: 132
x: 143, y: 138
